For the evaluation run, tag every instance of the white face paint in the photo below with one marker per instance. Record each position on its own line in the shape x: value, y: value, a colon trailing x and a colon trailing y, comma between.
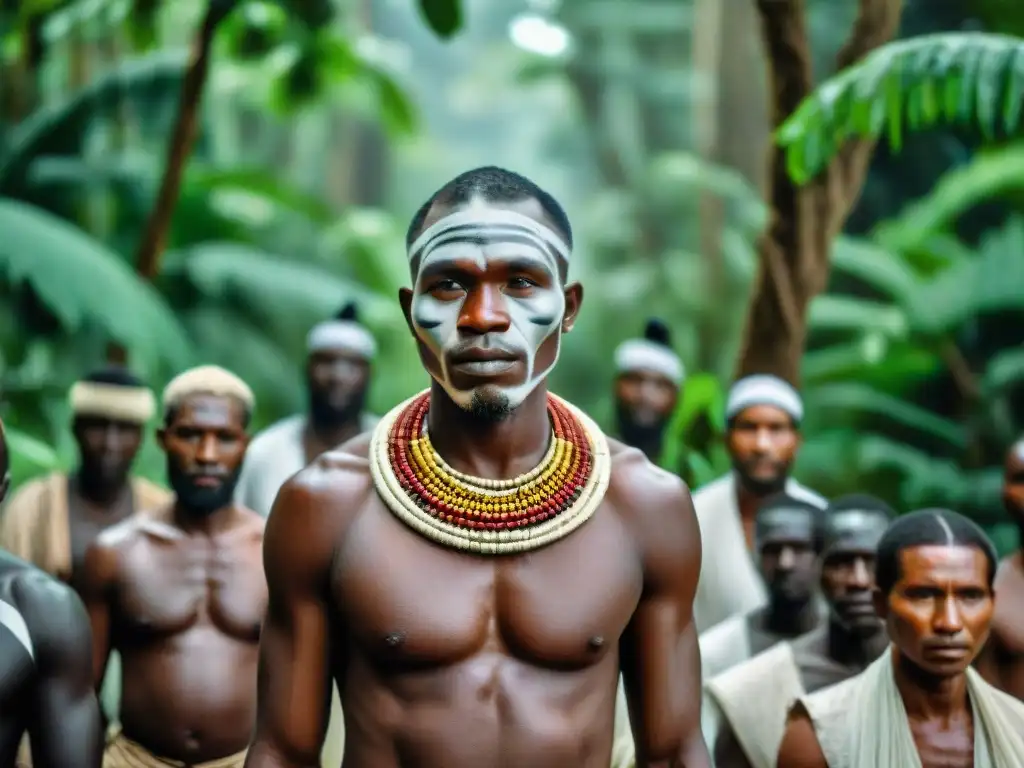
x: 482, y: 238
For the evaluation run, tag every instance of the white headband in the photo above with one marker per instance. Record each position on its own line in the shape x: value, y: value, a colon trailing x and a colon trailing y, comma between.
x: 112, y: 401
x: 764, y: 390
x: 644, y: 355
x: 480, y: 222
x: 343, y: 336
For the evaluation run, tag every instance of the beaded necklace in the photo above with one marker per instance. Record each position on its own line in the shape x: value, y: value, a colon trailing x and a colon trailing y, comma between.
x: 490, y: 516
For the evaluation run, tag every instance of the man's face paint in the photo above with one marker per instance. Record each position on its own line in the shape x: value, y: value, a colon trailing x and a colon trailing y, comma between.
x: 488, y: 303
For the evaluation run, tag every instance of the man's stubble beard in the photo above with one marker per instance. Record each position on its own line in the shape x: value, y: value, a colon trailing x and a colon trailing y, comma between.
x: 201, y: 501
x: 763, y: 488
x: 490, y: 407
x: 323, y: 414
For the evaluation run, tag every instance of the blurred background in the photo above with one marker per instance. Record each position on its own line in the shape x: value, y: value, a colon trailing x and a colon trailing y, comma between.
x: 324, y: 125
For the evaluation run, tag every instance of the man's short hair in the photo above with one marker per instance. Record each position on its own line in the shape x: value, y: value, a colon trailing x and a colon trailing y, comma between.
x: 784, y: 501
x: 116, y: 375
x: 493, y: 185
x: 926, y: 528
x: 861, y: 502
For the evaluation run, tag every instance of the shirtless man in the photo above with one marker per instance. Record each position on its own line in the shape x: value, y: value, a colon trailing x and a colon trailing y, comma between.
x: 46, y: 689
x: 1002, y: 660
x: 750, y: 701
x: 473, y: 611
x: 920, y: 703
x: 648, y: 383
x: 179, y: 590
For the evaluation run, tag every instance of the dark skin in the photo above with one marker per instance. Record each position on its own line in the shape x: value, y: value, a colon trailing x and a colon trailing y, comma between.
x: 852, y: 639
x: 762, y: 441
x: 515, y: 661
x: 49, y: 694
x: 180, y: 594
x: 337, y: 382
x: 644, y: 403
x: 1002, y: 660
x: 99, y: 493
x: 938, y: 616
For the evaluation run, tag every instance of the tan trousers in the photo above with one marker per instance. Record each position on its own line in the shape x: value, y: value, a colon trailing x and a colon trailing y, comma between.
x: 122, y: 752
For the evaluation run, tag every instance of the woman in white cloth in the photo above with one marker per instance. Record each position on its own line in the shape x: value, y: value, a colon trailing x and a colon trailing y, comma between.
x: 921, y: 705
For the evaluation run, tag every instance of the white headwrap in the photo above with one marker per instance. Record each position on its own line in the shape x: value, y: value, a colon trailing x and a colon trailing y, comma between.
x: 651, y: 353
x: 207, y: 380
x: 120, y: 402
x: 342, y: 336
x: 763, y: 389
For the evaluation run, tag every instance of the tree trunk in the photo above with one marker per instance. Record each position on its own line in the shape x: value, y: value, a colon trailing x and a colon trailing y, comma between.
x: 794, y: 249
x: 154, y: 238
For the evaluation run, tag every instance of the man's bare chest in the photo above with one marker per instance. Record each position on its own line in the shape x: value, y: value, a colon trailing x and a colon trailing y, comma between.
x: 170, y: 587
x: 405, y: 599
x: 951, y: 746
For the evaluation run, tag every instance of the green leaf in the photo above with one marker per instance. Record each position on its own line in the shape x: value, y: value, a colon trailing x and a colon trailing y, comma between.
x: 442, y: 16
x: 857, y: 399
x: 80, y: 281
x: 875, y: 94
x: 1004, y: 370
x: 830, y: 312
x: 24, y: 447
x: 880, y: 268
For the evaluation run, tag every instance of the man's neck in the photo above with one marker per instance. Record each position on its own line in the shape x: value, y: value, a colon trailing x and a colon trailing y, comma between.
x: 97, y: 494
x: 927, y: 696
x: 320, y: 437
x: 203, y: 523
x: 853, y: 649
x: 496, y: 450
x: 790, y: 618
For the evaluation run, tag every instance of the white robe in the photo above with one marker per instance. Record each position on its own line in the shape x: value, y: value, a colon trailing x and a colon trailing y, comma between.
x: 754, y: 698
x: 730, y: 583
x: 274, y: 455
x: 862, y: 722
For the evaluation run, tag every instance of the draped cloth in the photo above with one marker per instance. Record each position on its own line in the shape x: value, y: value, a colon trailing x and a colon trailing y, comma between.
x: 862, y: 723
x: 122, y: 752
x: 753, y: 698
x: 730, y: 583
x: 724, y: 646
x: 623, y: 748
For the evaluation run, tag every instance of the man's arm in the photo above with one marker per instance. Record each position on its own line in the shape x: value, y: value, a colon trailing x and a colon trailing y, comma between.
x: 294, y: 681
x: 96, y: 583
x: 65, y: 727
x: 800, y: 747
x: 660, y: 654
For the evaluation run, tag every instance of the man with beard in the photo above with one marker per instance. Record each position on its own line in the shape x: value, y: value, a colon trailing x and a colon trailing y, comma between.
x: 476, y: 572
x: 340, y: 353
x: 51, y: 521
x: 46, y: 689
x: 920, y: 703
x: 746, y: 706
x: 649, y: 377
x: 1002, y: 660
x: 180, y: 592
x: 763, y: 416
x: 787, y: 539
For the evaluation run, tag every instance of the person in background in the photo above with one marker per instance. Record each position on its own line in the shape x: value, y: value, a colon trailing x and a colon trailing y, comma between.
x: 46, y: 690
x: 1002, y: 660
x: 51, y: 521
x: 179, y: 590
x: 787, y: 539
x: 920, y: 703
x: 338, y: 368
x: 648, y: 383
x: 763, y: 415
x: 745, y: 707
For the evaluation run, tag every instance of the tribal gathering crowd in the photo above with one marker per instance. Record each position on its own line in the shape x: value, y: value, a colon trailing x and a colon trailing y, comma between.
x: 482, y: 578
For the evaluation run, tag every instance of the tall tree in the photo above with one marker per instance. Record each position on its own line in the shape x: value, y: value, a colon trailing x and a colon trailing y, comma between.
x: 794, y: 249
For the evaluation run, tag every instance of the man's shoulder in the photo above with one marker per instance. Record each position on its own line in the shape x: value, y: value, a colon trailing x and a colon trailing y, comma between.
x: 264, y: 440
x: 33, y: 489
x: 636, y: 478
x: 44, y: 603
x: 800, y: 491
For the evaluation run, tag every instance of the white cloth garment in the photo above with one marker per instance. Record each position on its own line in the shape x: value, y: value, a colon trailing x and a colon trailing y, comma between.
x: 754, y: 698
x: 724, y: 645
x: 274, y: 455
x: 862, y: 723
x: 730, y: 583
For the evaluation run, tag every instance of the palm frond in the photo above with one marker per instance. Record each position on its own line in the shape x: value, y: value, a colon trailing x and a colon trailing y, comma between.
x: 972, y: 78
x: 830, y: 312
x: 988, y: 175
x: 879, y: 268
x: 81, y: 281
x: 26, y: 448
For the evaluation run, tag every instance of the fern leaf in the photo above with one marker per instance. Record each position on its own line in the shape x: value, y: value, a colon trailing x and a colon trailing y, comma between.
x: 80, y: 281
x: 980, y: 77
